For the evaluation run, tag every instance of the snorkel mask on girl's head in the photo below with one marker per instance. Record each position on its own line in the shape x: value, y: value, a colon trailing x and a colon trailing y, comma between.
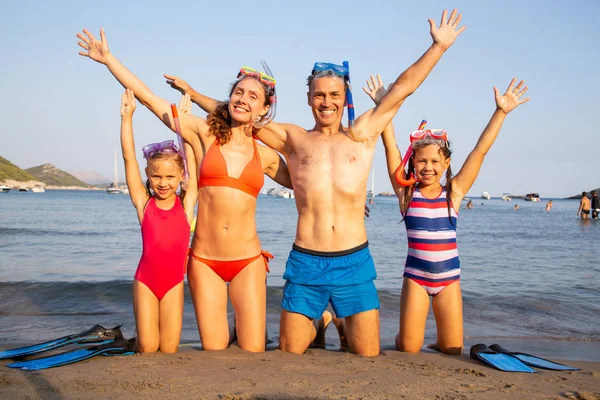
x: 343, y: 71
x: 429, y: 136
x: 166, y: 147
x: 267, y: 80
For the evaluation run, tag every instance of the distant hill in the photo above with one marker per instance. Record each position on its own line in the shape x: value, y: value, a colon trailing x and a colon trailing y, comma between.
x: 53, y: 176
x: 578, y: 196
x: 93, y: 178
x: 9, y: 170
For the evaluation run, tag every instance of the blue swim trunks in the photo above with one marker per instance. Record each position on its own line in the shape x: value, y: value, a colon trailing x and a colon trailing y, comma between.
x: 342, y: 278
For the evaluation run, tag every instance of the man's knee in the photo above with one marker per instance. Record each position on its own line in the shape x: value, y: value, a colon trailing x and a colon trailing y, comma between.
x: 294, y: 348
x: 368, y: 351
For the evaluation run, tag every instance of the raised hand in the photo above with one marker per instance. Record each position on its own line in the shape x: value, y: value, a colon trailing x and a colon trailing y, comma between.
x: 178, y: 84
x: 185, y: 104
x: 127, y: 103
x: 375, y: 89
x: 95, y: 49
x: 445, y: 35
x: 512, y: 98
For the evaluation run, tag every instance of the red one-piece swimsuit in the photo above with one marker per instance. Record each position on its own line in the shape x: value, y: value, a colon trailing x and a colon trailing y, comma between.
x: 165, y: 240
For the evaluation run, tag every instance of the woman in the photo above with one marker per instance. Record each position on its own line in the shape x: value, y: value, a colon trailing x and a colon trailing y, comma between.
x: 225, y: 247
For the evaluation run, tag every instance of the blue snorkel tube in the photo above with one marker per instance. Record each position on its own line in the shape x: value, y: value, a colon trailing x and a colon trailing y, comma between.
x: 349, y: 101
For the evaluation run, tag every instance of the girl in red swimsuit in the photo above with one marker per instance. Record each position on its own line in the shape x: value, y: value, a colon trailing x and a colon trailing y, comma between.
x: 165, y: 221
x: 227, y: 259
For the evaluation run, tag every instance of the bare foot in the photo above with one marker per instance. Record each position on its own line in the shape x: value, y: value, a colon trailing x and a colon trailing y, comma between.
x: 321, y: 325
x: 340, y: 324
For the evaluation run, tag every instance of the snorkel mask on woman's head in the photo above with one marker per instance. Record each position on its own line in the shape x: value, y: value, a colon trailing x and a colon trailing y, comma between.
x: 267, y: 80
x: 344, y: 72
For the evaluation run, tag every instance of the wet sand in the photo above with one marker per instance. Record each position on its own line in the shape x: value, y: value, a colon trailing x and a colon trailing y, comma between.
x: 318, y: 374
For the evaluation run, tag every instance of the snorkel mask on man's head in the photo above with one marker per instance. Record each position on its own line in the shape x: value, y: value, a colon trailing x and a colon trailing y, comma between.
x: 267, y: 80
x: 321, y: 69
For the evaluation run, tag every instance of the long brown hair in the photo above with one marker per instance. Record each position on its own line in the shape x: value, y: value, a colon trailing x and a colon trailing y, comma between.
x: 219, y: 121
x: 177, y: 159
x: 445, y: 152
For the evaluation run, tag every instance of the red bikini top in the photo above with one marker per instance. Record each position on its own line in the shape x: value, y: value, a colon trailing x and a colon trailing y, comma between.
x: 213, y: 172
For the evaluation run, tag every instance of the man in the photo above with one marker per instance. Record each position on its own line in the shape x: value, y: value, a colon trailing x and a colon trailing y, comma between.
x: 595, y: 205
x: 584, y: 207
x: 329, y: 166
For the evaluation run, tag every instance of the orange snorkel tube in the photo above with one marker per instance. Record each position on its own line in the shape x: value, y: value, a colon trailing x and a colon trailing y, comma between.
x: 400, y: 174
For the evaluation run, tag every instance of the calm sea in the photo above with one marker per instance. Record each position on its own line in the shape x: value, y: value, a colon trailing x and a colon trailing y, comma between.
x: 67, y: 259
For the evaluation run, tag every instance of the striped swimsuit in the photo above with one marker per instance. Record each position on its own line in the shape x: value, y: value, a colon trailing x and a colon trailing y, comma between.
x: 432, y: 259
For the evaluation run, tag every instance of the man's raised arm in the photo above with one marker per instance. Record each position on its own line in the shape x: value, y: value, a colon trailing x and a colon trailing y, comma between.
x: 410, y: 80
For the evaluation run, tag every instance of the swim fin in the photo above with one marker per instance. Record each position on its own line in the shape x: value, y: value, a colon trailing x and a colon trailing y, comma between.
x: 116, y: 347
x: 533, y: 360
x: 503, y: 362
x: 96, y: 334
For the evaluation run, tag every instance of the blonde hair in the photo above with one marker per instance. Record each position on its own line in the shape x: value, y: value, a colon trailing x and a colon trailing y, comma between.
x: 444, y: 150
x: 176, y: 158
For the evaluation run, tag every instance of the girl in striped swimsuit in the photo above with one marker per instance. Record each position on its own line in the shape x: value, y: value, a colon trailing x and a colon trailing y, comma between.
x: 430, y: 212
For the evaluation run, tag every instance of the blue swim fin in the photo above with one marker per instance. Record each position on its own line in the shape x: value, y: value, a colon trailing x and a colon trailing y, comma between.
x: 533, y: 360
x: 113, y: 348
x: 503, y: 362
x: 96, y: 334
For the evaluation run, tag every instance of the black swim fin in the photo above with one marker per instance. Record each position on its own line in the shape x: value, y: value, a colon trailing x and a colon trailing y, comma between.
x: 116, y: 347
x: 503, y: 362
x: 94, y: 335
x: 533, y: 361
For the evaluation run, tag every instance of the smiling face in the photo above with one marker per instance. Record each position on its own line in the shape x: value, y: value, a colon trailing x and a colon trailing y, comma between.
x: 164, y: 176
x: 430, y: 164
x: 247, y: 100
x: 327, y: 98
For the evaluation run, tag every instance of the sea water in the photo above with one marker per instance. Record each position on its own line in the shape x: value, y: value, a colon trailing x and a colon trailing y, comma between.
x: 67, y: 259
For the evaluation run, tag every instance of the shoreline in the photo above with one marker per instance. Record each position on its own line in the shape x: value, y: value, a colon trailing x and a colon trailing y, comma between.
x: 318, y: 374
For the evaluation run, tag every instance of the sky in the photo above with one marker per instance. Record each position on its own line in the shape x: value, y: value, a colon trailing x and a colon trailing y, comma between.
x: 63, y: 109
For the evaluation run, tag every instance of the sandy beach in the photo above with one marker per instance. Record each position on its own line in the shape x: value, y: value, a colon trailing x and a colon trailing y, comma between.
x: 318, y: 374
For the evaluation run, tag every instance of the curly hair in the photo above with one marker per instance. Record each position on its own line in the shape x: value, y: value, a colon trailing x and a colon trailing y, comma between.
x: 177, y: 159
x: 444, y: 150
x: 219, y: 121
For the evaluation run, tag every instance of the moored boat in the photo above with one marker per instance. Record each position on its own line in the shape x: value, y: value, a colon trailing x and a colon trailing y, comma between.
x: 535, y: 197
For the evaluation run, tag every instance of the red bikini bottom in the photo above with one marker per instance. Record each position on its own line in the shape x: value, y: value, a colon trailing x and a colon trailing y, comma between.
x: 228, y: 270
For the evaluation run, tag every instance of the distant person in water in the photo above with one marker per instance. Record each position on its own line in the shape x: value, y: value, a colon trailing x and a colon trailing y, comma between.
x: 595, y: 205
x: 584, y: 207
x: 549, y: 206
x: 516, y: 207
x: 470, y: 205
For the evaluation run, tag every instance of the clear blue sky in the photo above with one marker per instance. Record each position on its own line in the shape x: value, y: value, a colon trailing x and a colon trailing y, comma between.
x: 63, y: 109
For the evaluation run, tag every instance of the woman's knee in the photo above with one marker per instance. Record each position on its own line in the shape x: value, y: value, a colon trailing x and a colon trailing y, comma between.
x: 169, y: 348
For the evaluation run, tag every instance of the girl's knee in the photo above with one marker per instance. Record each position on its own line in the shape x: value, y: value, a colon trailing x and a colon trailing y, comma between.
x: 453, y: 351
x: 408, y: 346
